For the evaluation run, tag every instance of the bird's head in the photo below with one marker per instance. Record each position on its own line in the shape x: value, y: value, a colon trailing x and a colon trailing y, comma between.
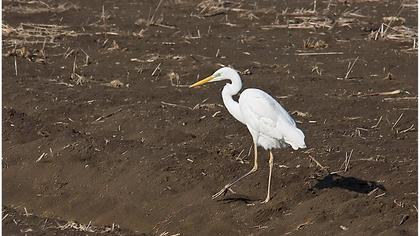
x: 224, y: 73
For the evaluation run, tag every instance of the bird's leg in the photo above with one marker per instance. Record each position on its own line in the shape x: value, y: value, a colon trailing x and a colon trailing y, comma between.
x: 227, y: 186
x: 270, y: 162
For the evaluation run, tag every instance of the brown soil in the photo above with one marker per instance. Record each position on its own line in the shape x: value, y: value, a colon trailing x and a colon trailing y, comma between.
x: 146, y: 153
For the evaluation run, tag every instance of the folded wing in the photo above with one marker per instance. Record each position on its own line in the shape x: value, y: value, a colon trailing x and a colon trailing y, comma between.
x: 266, y: 116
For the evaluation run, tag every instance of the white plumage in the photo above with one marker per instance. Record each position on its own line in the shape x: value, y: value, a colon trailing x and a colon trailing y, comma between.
x: 270, y: 125
x: 268, y: 122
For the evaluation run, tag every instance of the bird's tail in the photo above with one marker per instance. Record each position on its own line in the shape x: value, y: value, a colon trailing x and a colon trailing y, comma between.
x: 295, y: 138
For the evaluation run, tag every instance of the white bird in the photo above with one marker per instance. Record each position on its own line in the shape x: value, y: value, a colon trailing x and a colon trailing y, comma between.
x: 268, y: 122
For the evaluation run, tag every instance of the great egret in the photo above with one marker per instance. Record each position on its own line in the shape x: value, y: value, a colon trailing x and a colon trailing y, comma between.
x: 268, y: 122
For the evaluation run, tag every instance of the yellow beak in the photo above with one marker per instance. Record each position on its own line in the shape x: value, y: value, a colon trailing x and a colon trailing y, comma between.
x: 203, y: 81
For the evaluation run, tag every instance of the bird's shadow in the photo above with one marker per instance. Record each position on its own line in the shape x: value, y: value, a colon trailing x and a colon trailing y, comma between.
x: 349, y: 183
x: 330, y: 181
x: 238, y: 198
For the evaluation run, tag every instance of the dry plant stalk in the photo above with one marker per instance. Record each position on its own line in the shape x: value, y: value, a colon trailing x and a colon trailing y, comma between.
x: 175, y: 77
x: 210, y: 8
x: 396, y: 122
x: 399, y: 33
x: 311, y: 22
x: 28, y: 33
x: 350, y: 68
x: 88, y: 228
x: 398, y: 91
x: 318, y: 53
x: 176, y: 105
x: 319, y: 164
x: 345, y: 164
x: 314, y: 43
x: 389, y: 30
x: 34, y: 55
x: 33, y: 7
x: 153, y: 20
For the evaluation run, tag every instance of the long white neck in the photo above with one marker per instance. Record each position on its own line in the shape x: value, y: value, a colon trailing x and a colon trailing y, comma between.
x: 228, y: 91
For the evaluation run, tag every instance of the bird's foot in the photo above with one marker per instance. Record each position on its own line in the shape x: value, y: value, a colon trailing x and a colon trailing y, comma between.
x: 216, y: 195
x: 222, y: 191
x: 265, y: 201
